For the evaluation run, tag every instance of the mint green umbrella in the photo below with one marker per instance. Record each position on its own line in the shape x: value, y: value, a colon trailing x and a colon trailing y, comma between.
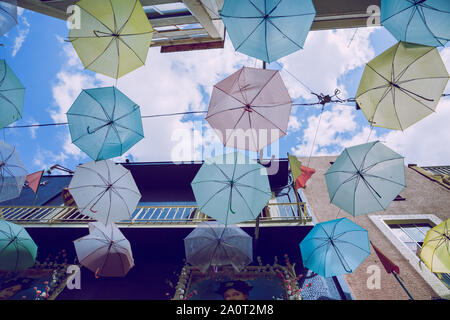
x: 17, y: 249
x: 366, y: 178
x: 12, y: 94
x: 231, y: 188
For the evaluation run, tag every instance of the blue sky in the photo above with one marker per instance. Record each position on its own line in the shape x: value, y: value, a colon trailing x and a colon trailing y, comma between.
x: 53, y: 76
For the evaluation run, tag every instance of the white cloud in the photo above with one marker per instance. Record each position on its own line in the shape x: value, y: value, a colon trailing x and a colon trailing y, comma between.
x: 24, y: 30
x: 326, y: 57
x: 168, y: 83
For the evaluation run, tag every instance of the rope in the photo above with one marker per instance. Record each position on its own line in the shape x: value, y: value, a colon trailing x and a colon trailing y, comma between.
x: 315, y: 136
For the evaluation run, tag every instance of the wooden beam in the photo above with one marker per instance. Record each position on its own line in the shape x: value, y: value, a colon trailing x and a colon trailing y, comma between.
x: 193, y: 47
x: 178, y: 33
x: 197, y: 9
x: 163, y: 22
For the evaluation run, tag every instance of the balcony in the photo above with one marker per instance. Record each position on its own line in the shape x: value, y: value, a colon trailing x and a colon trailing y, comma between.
x: 157, y: 216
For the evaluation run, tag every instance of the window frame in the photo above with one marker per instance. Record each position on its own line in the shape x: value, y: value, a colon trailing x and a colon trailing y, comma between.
x: 383, y: 222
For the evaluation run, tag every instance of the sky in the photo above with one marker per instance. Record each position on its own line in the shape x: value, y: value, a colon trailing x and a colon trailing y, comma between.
x: 37, y: 51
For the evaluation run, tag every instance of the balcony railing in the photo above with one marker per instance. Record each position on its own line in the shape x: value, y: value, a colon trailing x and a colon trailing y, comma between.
x: 148, y: 215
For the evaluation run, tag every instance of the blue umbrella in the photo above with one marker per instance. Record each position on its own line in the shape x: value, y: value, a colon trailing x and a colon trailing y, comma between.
x: 425, y: 22
x: 8, y: 15
x: 104, y: 123
x: 335, y: 247
x: 268, y: 29
x: 231, y: 188
x: 12, y: 94
x: 366, y: 178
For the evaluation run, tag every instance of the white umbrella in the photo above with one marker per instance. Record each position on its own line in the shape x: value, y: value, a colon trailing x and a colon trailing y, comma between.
x: 105, y: 251
x: 12, y: 172
x: 213, y: 244
x: 104, y: 191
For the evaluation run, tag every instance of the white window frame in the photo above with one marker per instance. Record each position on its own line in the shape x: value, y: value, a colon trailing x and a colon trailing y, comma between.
x: 383, y: 221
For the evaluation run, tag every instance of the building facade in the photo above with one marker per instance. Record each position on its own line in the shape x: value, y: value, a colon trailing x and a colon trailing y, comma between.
x: 398, y: 232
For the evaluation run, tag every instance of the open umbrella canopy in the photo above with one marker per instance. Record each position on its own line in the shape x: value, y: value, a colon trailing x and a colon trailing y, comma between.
x: 268, y: 29
x: 366, y: 178
x: 12, y: 172
x: 435, y: 252
x: 12, y: 94
x: 335, y: 247
x: 211, y: 244
x: 250, y: 109
x: 112, y: 36
x: 104, y: 123
x: 8, y: 15
x: 104, y: 191
x: 425, y: 22
x: 231, y: 188
x: 402, y: 86
x: 105, y: 251
x: 17, y: 249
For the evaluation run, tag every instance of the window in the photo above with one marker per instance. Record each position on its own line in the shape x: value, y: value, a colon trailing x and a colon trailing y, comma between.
x: 407, y: 233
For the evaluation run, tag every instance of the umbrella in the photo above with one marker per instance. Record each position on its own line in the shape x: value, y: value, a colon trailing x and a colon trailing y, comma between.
x: 213, y: 244
x: 250, y: 109
x: 335, y: 247
x: 8, y: 15
x: 231, y: 188
x: 366, y: 178
x: 435, y: 252
x: 402, y: 86
x: 425, y: 22
x: 113, y: 37
x: 12, y: 94
x: 105, y: 251
x: 104, y: 123
x: 12, y: 172
x: 268, y: 30
x: 104, y: 191
x: 17, y: 249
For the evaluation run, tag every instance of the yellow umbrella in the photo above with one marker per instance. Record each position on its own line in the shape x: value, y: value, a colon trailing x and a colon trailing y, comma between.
x: 435, y: 252
x: 112, y: 36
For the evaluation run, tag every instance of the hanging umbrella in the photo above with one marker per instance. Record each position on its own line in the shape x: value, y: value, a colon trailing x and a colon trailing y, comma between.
x: 425, y: 22
x: 250, y: 109
x: 17, y: 249
x: 104, y: 123
x: 231, y: 188
x: 8, y: 15
x: 105, y: 251
x: 402, y: 86
x: 104, y: 191
x: 12, y: 93
x: 435, y: 252
x: 335, y: 247
x: 211, y: 244
x: 268, y: 30
x: 366, y: 178
x: 12, y: 172
x: 113, y: 37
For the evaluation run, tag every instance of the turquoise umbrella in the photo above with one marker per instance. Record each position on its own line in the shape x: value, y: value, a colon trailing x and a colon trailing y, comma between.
x: 335, y: 247
x: 8, y: 15
x: 268, y: 29
x: 232, y: 188
x: 425, y: 22
x: 12, y: 93
x: 17, y: 249
x: 366, y: 178
x: 104, y: 123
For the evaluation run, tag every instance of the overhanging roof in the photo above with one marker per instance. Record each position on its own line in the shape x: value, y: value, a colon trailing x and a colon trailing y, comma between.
x: 195, y: 24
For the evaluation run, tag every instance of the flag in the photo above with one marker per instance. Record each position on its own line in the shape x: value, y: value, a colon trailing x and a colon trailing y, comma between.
x: 388, y: 265
x: 300, y: 173
x: 34, y: 180
x: 67, y: 198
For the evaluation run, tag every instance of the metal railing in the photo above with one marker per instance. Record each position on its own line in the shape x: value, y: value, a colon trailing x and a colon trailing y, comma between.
x: 144, y: 215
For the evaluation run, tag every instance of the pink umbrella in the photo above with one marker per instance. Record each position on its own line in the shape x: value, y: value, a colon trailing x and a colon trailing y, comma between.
x: 250, y: 109
x: 105, y: 251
